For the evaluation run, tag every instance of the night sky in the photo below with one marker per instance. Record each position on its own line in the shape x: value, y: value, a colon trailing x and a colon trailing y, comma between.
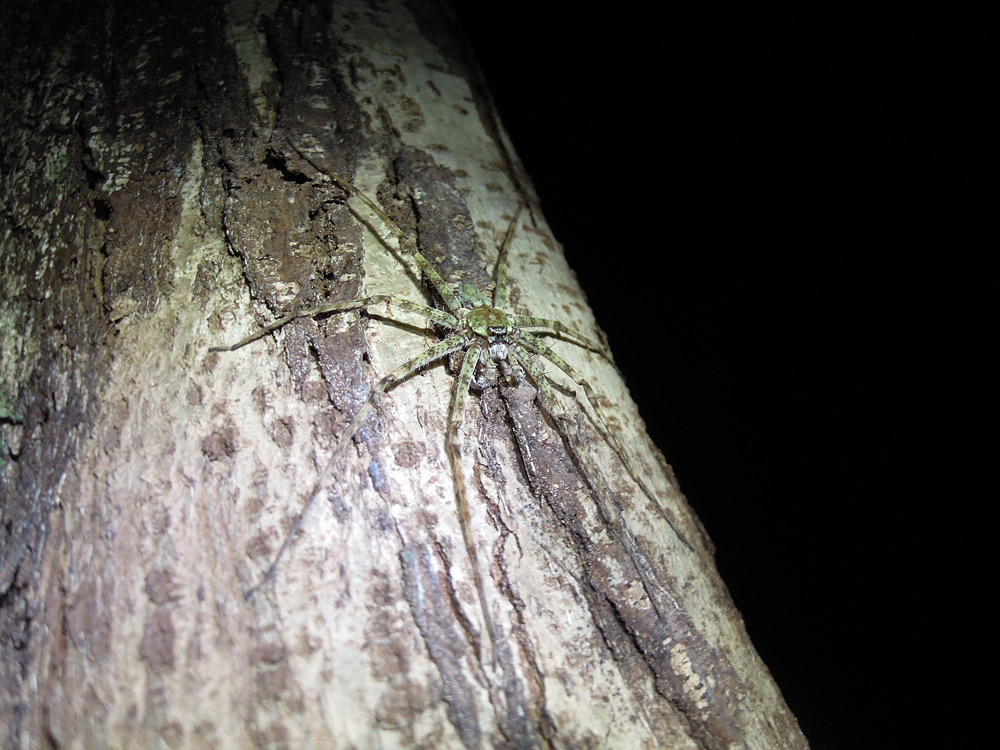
x: 776, y: 203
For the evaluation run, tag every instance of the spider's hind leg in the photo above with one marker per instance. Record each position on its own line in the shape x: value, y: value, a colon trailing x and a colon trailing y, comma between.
x: 436, y: 352
x: 609, y: 508
x: 465, y: 379
x: 534, y: 344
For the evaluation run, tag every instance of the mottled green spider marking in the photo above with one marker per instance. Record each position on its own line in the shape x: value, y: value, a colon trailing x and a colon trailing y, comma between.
x: 488, y: 322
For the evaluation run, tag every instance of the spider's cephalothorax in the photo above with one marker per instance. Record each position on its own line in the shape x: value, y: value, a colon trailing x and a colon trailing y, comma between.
x: 488, y: 322
x: 491, y: 344
x: 491, y: 328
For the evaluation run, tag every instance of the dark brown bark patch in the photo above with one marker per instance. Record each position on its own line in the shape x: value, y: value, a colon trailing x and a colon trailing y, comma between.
x: 157, y: 647
x: 426, y: 596
x: 650, y: 637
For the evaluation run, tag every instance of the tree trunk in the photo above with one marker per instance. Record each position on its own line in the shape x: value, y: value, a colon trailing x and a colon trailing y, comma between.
x: 165, y: 190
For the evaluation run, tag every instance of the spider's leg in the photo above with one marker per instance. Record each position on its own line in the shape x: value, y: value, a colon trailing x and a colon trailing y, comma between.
x: 462, y: 384
x: 609, y: 509
x: 441, y: 349
x: 500, y: 274
x: 429, y: 271
x: 555, y: 328
x: 536, y: 345
x: 432, y: 314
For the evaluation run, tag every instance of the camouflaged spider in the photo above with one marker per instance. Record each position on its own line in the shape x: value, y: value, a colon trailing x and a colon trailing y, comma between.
x: 497, y: 345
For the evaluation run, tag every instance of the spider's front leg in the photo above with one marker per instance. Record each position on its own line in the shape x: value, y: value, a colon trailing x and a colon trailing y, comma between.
x: 406, y: 241
x: 430, y: 313
x: 451, y: 344
x: 559, y: 330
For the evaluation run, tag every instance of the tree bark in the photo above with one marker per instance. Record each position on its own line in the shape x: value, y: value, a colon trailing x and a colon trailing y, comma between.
x: 156, y: 201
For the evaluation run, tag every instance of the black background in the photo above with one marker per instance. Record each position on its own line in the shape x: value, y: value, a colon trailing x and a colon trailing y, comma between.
x: 772, y: 210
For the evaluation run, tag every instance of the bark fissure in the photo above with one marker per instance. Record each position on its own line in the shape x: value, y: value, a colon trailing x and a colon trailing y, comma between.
x: 423, y: 591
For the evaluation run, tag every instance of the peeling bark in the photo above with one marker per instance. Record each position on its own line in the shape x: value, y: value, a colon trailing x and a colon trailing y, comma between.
x: 155, y: 204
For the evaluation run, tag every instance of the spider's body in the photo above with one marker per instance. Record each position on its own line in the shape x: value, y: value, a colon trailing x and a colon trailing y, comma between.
x: 493, y: 345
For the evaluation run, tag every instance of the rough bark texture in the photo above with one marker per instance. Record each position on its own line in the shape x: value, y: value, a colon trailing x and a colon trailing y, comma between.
x: 154, y: 204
